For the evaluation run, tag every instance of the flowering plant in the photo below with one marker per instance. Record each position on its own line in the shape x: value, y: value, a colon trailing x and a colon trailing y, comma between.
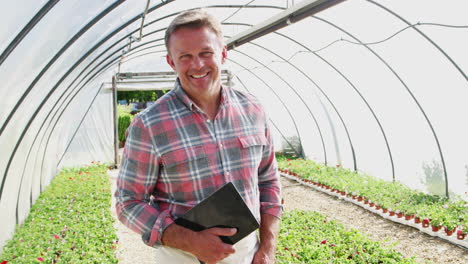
x: 69, y: 223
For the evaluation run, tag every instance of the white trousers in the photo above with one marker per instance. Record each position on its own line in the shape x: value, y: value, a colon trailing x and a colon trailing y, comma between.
x: 245, y: 251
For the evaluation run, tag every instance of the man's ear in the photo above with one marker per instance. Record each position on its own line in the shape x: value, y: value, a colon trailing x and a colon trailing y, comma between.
x: 170, y: 61
x: 224, y: 55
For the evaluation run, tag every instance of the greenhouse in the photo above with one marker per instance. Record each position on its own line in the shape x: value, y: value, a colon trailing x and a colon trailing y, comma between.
x: 365, y: 100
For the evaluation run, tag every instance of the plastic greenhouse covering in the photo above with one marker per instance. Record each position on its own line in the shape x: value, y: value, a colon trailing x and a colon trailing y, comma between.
x: 377, y: 86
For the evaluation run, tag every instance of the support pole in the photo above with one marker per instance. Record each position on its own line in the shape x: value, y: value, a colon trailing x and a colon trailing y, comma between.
x: 291, y: 15
x: 116, y: 139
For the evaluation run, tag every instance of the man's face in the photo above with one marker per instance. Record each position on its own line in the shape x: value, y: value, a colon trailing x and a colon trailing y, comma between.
x: 197, y: 55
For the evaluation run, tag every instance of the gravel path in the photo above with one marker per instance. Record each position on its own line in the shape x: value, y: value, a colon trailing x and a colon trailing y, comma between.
x: 409, y: 241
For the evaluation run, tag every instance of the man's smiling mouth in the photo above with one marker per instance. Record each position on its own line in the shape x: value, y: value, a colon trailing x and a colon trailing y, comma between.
x: 199, y: 76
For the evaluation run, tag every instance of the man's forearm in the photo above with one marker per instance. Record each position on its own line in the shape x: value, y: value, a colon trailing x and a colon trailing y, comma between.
x: 269, y: 228
x: 172, y: 234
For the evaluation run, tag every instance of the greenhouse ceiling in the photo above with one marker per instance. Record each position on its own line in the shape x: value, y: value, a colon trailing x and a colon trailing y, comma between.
x: 374, y: 86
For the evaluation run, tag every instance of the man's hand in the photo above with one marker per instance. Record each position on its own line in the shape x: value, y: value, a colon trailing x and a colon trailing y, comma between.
x: 269, y: 228
x: 205, y: 245
x: 209, y: 248
x: 264, y: 257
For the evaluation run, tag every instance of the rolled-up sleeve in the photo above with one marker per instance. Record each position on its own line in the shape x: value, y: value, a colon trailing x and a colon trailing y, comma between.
x: 268, y: 180
x: 135, y: 184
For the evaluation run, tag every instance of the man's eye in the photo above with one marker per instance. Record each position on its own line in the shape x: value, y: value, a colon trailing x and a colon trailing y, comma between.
x: 207, y: 53
x: 185, y: 56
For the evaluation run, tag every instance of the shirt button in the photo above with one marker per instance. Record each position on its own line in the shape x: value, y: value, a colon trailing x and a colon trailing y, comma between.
x: 208, y: 121
x: 220, y: 145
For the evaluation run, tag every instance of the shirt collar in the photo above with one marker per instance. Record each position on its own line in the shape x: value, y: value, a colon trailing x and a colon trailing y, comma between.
x: 180, y: 93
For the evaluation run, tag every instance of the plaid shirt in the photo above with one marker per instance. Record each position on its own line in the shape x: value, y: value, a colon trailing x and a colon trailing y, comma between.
x: 175, y: 157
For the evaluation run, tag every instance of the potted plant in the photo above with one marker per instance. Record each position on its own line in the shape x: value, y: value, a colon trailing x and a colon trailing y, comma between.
x: 450, y: 225
x: 462, y: 230
x: 409, y: 211
x: 437, y: 219
x: 399, y: 213
x: 422, y: 215
x: 384, y: 206
x: 425, y: 222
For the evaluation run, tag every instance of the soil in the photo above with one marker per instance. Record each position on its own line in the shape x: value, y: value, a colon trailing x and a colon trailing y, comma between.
x: 407, y: 240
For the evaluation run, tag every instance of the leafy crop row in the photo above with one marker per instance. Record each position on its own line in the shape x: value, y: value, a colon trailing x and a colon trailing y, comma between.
x: 393, y: 196
x: 308, y: 237
x: 69, y: 223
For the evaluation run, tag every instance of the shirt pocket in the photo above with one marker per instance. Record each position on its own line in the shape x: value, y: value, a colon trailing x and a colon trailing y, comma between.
x: 252, y: 149
x: 184, y: 164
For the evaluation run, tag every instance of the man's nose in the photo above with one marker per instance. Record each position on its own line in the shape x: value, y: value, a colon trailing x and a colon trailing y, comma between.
x: 198, y: 62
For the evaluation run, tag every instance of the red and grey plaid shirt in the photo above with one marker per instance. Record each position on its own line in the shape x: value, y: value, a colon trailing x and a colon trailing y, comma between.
x: 175, y: 156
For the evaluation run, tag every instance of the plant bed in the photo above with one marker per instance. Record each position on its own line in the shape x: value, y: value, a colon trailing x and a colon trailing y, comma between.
x: 403, y: 199
x: 309, y: 237
x: 69, y: 223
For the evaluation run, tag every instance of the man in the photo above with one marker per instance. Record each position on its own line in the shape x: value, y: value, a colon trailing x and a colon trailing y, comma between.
x: 192, y: 141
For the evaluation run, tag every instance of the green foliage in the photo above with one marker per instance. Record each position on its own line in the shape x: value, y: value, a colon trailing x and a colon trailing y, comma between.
x: 389, y: 195
x: 123, y: 124
x: 308, y: 237
x: 138, y: 96
x: 69, y: 223
x: 124, y: 120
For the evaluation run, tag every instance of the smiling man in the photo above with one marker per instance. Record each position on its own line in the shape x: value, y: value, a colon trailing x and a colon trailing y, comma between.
x: 198, y: 137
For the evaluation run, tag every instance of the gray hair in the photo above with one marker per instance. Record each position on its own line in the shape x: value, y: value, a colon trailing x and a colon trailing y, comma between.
x: 196, y: 18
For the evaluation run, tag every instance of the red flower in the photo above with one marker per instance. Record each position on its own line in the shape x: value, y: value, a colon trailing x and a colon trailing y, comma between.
x: 4, y: 262
x: 332, y: 245
x: 40, y: 259
x: 323, y: 242
x: 56, y: 236
x: 80, y: 173
x: 92, y: 161
x: 338, y: 165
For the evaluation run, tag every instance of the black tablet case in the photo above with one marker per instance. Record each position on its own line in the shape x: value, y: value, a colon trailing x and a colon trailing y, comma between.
x: 223, y: 208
